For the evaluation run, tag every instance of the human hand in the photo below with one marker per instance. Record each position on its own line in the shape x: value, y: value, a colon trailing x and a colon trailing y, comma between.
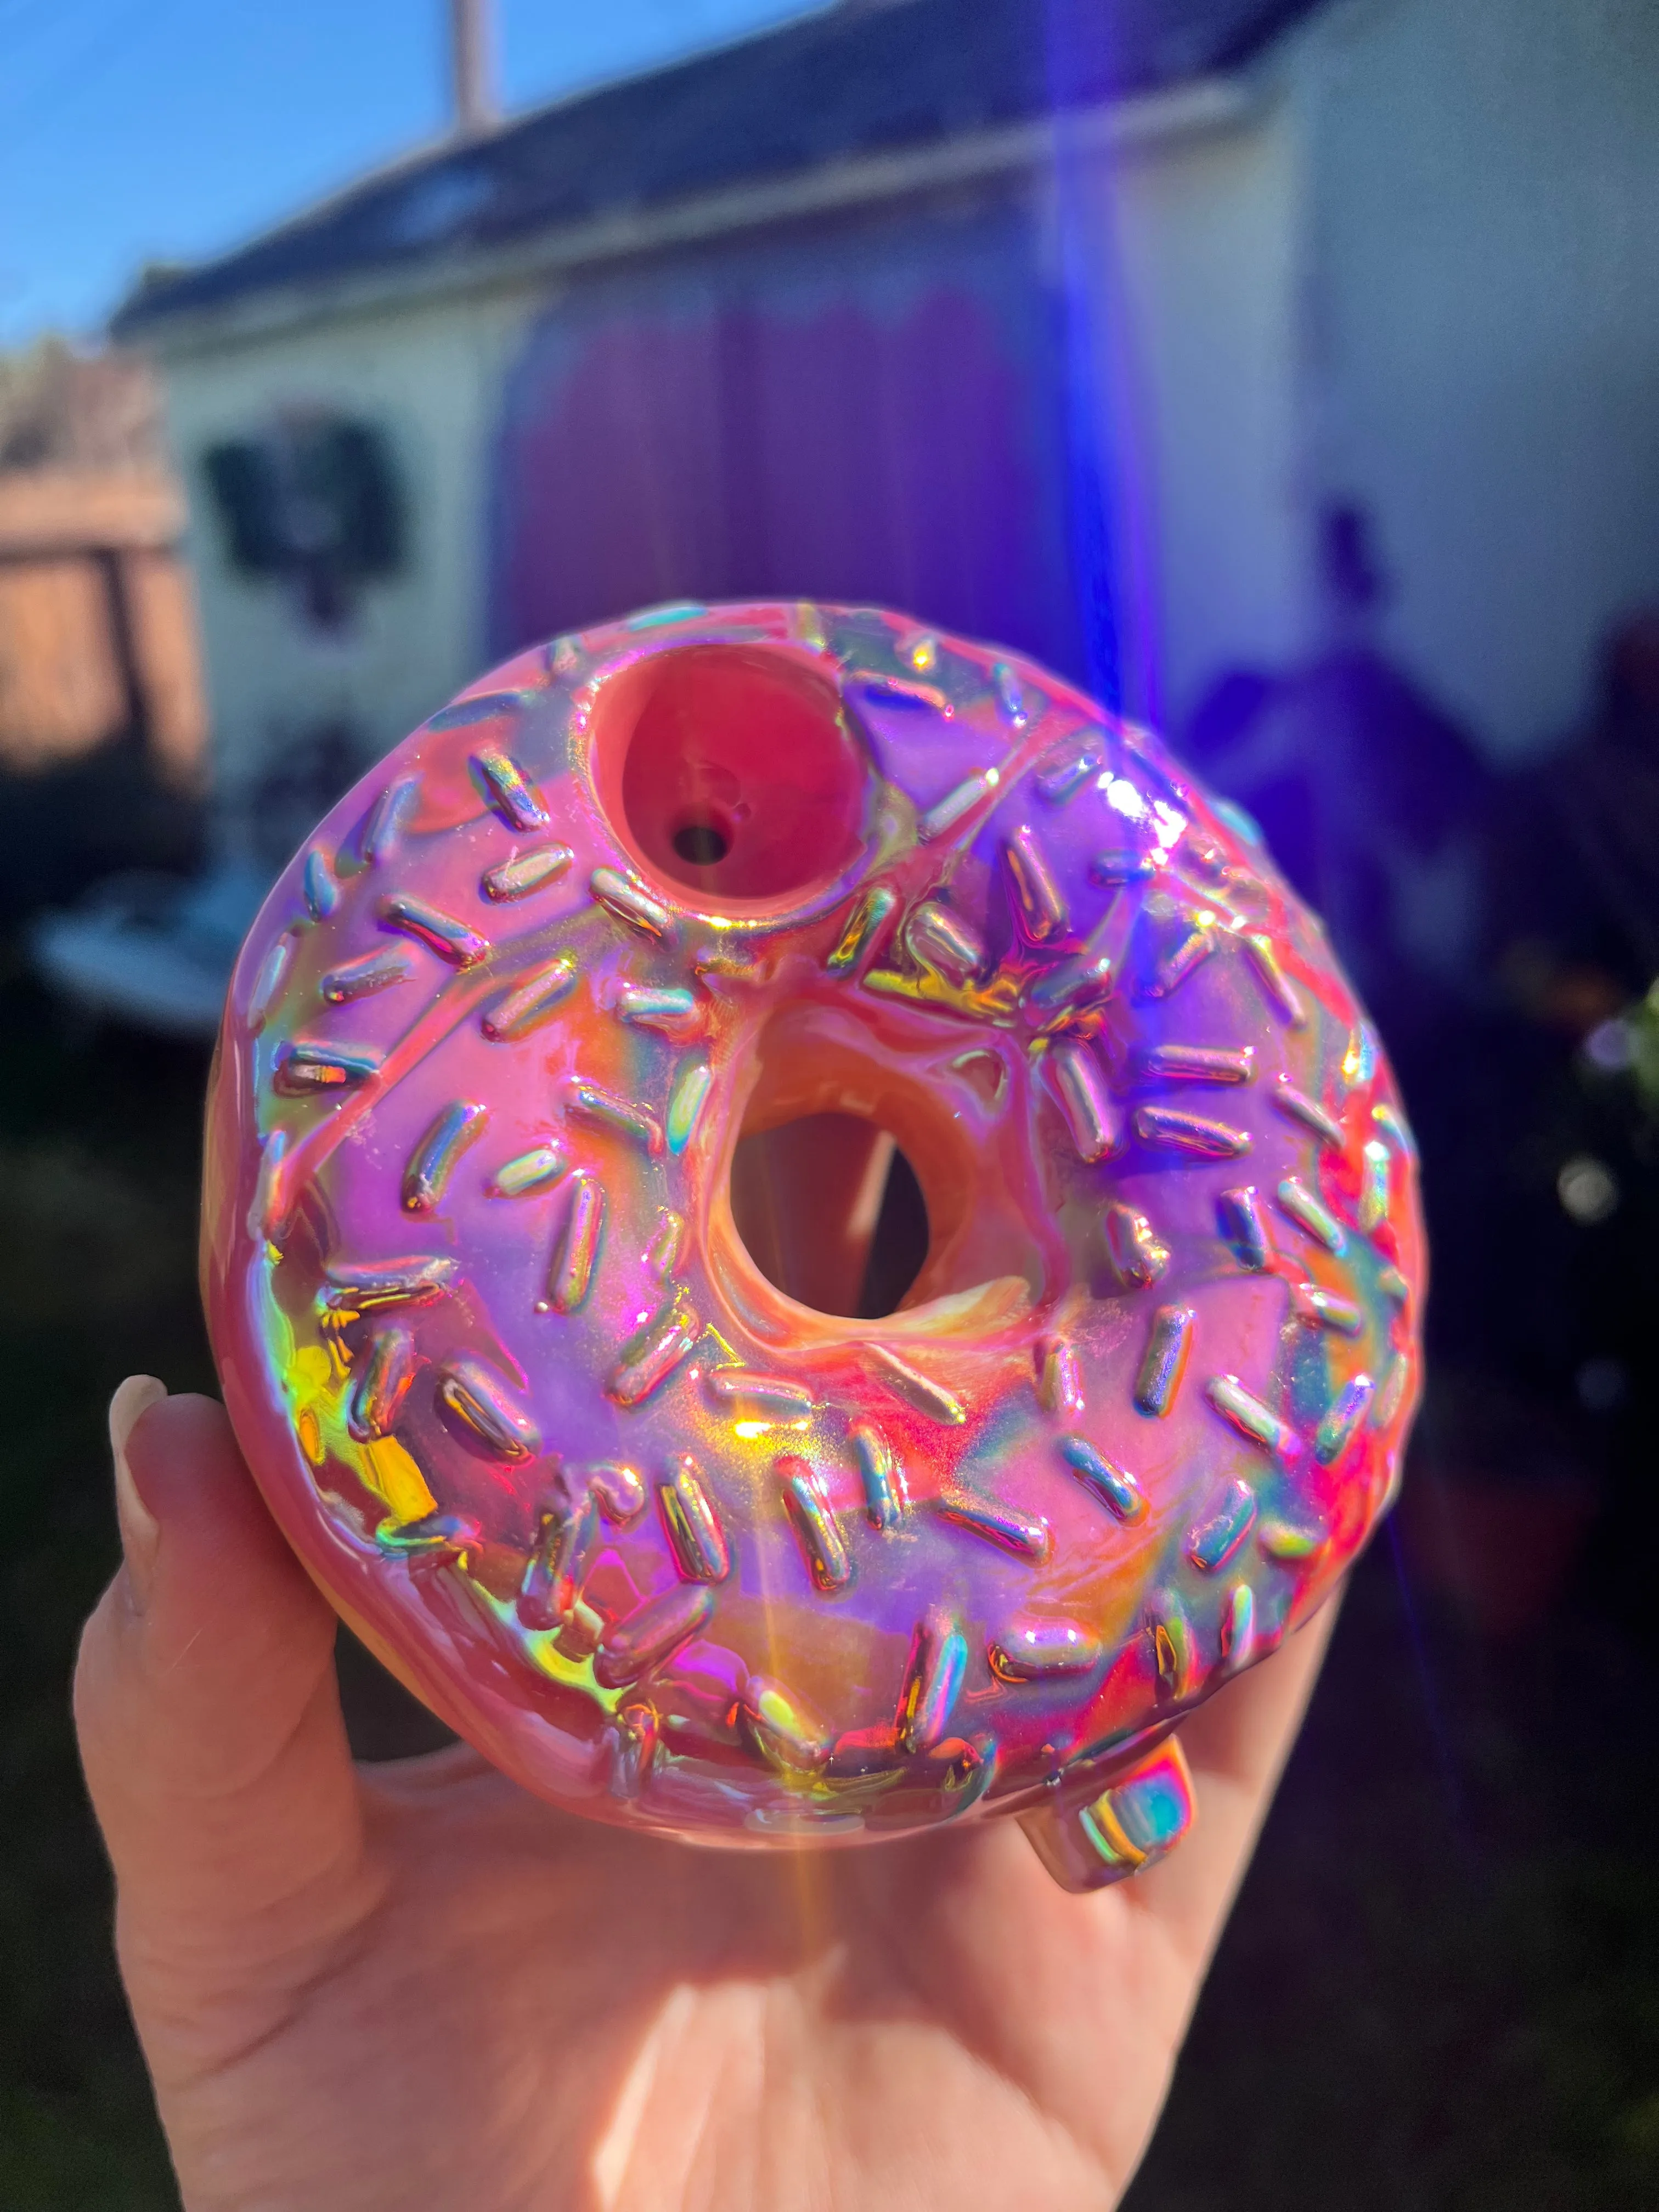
x: 413, y: 1985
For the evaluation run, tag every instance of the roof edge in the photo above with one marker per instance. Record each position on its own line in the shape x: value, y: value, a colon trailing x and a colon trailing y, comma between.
x: 1200, y: 106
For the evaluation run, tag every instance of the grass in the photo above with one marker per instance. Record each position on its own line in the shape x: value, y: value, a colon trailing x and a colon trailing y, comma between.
x: 1440, y: 1990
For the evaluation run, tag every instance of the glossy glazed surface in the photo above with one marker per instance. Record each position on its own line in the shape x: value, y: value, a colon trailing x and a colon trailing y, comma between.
x: 670, y: 1544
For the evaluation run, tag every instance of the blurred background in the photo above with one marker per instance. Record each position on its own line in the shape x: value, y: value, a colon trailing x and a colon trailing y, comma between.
x: 1286, y: 372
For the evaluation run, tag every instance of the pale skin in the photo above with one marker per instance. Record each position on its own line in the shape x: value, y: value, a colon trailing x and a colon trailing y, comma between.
x: 414, y: 1985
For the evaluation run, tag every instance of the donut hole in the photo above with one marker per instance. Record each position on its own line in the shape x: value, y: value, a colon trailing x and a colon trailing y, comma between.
x: 732, y: 772
x: 832, y: 1213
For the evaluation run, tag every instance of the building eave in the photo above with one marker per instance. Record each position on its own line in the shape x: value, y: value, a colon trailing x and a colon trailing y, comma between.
x: 1198, y: 108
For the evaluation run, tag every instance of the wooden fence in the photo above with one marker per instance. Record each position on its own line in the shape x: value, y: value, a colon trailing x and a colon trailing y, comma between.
x: 97, y: 636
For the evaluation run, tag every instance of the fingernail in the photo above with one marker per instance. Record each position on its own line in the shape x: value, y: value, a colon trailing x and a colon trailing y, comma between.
x: 1134, y: 1824
x: 140, y: 1530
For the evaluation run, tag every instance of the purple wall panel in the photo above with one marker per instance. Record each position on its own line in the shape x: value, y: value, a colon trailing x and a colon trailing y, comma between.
x: 873, y: 423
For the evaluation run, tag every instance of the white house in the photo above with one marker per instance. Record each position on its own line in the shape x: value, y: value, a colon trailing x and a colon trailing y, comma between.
x: 1063, y: 322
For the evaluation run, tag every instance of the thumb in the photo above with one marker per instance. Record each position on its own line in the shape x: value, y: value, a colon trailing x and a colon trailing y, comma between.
x: 209, y: 1717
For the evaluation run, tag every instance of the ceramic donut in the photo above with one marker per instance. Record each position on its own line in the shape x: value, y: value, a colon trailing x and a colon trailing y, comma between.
x: 673, y: 1545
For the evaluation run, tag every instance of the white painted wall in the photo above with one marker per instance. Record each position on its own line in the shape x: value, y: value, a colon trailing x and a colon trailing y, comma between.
x: 1483, y: 330
x: 1193, y: 239
x: 429, y: 377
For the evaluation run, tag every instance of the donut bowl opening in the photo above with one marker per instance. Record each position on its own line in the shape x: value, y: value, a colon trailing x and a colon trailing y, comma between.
x: 856, y: 1190
x: 732, y: 774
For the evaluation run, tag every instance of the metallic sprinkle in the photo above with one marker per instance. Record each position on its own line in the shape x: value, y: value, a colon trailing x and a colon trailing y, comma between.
x: 1119, y: 1492
x: 955, y: 804
x: 1011, y: 700
x: 1250, y: 1417
x: 1326, y: 1308
x: 1032, y: 891
x: 863, y: 926
x: 1276, y: 986
x: 1062, y: 773
x: 1028, y: 1536
x: 1123, y: 864
x: 525, y: 872
x: 636, y: 1378
x: 686, y: 1102
x: 667, y: 1247
x: 786, y: 1736
x: 1093, y: 974
x: 619, y: 1489
x: 932, y: 1680
x: 901, y: 691
x: 816, y: 1529
x: 1195, y: 1134
x: 267, y: 1216
x: 918, y: 1390
x: 306, y: 1069
x: 1238, y: 1627
x: 433, y: 1161
x: 1311, y: 1214
x: 577, y: 1246
x: 673, y: 1011
x: 516, y: 800
x: 530, y: 1003
x: 1178, y: 964
x: 884, y: 1498
x: 322, y: 893
x: 1137, y: 1259
x: 937, y: 939
x: 480, y: 1398
x: 1391, y: 1394
x: 530, y: 1171
x: 693, y: 1526
x: 551, y: 1586
x: 1199, y: 1063
x: 359, y: 978
x: 1169, y: 1341
x: 1374, y: 1181
x: 384, y: 828
x: 483, y: 707
x: 1216, y: 1538
x: 1284, y: 1541
x: 1311, y: 1115
x: 1347, y: 1410
x: 630, y: 903
x: 437, y: 1538
x: 603, y: 1110
x: 653, y: 1632
x: 1395, y: 1129
x: 382, y: 1386
x: 1172, y: 1651
x: 1078, y: 1084
x: 1035, y: 1650
x: 387, y: 1283
x: 750, y: 1390
x: 1059, y: 1382
x: 1393, y: 1284
x: 450, y: 939
x: 1238, y: 1216
x: 269, y: 983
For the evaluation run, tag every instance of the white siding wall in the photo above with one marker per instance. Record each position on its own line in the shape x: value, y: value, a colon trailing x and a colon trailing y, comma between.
x: 1195, y: 240
x: 1485, y: 329
x: 431, y: 380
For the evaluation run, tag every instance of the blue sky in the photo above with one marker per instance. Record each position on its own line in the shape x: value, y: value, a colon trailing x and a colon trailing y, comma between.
x: 133, y: 130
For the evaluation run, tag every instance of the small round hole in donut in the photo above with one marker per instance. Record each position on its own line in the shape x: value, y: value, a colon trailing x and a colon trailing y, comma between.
x: 732, y: 771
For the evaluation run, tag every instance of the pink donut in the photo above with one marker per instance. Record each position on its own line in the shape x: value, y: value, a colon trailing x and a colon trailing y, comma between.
x: 673, y: 1545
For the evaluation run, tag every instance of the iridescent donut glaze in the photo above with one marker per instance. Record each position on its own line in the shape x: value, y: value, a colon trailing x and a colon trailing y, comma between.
x: 670, y: 1546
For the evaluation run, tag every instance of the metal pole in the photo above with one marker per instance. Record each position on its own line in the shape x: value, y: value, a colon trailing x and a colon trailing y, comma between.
x: 471, y: 43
